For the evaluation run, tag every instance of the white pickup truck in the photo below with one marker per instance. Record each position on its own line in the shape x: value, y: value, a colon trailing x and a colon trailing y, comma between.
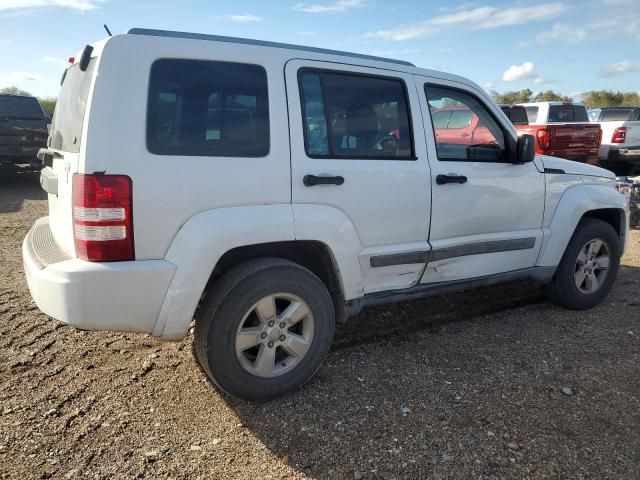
x: 620, y: 147
x: 271, y: 190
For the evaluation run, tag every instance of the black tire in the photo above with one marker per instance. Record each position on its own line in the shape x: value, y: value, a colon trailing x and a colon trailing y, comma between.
x: 562, y: 289
x: 224, y: 307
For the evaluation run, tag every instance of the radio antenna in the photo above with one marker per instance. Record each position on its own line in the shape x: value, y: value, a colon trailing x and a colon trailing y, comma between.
x: 107, y: 29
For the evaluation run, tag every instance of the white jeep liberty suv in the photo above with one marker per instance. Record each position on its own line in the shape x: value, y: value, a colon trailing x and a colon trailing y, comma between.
x: 271, y: 190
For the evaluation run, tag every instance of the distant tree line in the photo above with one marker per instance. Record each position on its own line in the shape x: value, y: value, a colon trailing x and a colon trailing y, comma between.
x: 48, y: 103
x: 592, y: 99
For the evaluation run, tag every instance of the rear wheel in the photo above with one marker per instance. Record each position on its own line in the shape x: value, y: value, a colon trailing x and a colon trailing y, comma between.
x: 264, y: 329
x: 588, y: 267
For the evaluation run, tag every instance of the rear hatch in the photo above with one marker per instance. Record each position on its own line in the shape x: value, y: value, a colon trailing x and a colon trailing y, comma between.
x: 65, y: 147
x: 23, y: 127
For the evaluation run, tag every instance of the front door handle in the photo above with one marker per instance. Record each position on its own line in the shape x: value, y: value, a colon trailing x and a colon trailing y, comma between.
x: 442, y: 179
x: 313, y: 180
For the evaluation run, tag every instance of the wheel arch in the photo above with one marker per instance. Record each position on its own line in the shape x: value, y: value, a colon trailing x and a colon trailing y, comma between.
x: 235, y: 234
x: 314, y: 255
x: 577, y: 203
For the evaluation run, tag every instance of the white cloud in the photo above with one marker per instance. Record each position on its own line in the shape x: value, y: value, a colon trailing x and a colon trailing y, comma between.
x: 476, y: 18
x: 526, y: 71
x: 488, y: 86
x: 332, y: 7
x: 79, y: 5
x: 244, y: 18
x: 619, y: 68
x: 606, y: 27
x: 393, y: 53
x: 20, y: 77
x: 519, y: 72
x: 54, y: 60
x: 559, y: 32
x: 632, y: 28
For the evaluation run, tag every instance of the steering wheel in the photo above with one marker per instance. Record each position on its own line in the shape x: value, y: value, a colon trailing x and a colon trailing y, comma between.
x: 381, y: 144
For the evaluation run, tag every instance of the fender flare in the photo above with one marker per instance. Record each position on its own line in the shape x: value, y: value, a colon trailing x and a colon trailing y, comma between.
x: 575, y: 202
x: 208, y: 235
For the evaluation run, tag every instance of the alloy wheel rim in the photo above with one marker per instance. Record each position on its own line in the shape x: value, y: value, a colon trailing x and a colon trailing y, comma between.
x: 592, y: 266
x: 274, y: 335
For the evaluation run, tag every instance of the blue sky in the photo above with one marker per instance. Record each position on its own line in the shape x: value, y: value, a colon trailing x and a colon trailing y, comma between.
x: 568, y: 46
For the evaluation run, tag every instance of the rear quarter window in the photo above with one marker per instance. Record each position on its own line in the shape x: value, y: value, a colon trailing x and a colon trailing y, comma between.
x: 207, y: 108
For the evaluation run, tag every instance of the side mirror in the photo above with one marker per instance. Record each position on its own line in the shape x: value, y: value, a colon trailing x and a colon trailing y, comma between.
x: 525, y: 149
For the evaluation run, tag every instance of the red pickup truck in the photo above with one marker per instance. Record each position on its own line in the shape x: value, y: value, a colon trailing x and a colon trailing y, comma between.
x: 562, y: 129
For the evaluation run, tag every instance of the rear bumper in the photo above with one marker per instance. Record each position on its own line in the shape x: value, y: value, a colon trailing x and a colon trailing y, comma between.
x: 117, y: 296
x: 625, y: 154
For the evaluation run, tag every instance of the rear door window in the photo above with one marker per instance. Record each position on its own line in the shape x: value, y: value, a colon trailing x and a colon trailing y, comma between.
x: 208, y: 108
x: 66, y: 126
x: 355, y: 116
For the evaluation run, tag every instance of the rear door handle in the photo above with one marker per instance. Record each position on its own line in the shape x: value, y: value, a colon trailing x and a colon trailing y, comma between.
x: 442, y: 179
x: 313, y: 180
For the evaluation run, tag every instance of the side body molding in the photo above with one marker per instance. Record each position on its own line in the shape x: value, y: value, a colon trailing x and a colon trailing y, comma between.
x: 198, y: 246
x: 565, y: 211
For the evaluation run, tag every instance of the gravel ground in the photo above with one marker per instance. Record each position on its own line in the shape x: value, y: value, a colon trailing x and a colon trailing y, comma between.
x: 460, y: 386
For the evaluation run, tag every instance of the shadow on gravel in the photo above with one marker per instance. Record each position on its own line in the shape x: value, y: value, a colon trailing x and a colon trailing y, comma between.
x: 334, y: 415
x: 406, y: 392
x: 17, y: 187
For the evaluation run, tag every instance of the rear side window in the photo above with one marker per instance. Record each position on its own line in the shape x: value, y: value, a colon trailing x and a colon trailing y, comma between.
x: 615, y: 115
x: 567, y: 113
x: 66, y: 126
x: 355, y: 116
x: 517, y: 115
x: 208, y: 108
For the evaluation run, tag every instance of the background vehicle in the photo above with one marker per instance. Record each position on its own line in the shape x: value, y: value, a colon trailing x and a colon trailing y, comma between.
x: 620, y: 147
x: 271, y: 190
x: 562, y: 129
x: 459, y: 125
x: 516, y: 113
x: 23, y: 129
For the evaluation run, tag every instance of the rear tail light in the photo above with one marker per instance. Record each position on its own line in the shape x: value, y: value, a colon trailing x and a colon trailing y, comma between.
x: 544, y: 139
x: 103, y: 217
x: 619, y: 135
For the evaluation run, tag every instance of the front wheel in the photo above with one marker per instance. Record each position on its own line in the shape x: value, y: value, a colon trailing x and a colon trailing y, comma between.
x: 588, y: 267
x: 264, y: 329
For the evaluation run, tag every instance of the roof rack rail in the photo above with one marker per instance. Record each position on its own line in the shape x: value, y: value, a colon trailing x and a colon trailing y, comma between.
x: 262, y: 43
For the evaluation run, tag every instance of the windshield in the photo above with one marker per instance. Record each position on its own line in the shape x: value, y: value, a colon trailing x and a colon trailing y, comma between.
x: 20, y: 106
x: 66, y: 127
